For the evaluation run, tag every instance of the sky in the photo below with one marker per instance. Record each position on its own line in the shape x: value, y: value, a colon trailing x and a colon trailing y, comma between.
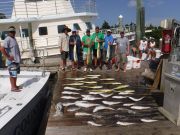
x: 155, y: 11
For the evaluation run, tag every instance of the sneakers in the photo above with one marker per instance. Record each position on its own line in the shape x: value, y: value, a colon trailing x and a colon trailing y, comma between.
x: 85, y: 69
x: 90, y: 70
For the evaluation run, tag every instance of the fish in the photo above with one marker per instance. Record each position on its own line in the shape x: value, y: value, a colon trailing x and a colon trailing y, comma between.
x: 124, y: 123
x: 124, y: 93
x: 128, y: 104
x: 85, y: 104
x: 93, y: 75
x: 107, y: 79
x: 71, y: 88
x: 68, y: 104
x: 82, y: 114
x: 95, y: 87
x: 121, y: 87
x: 70, y: 93
x: 110, y: 103
x: 95, y: 93
x: 90, y: 97
x: 101, y: 107
x: 129, y: 91
x: 136, y: 99
x: 75, y: 84
x: 76, y: 79
x: 119, y: 97
x: 148, y: 120
x: 69, y: 97
x: 139, y: 107
x: 94, y: 124
x: 93, y: 82
x: 72, y: 109
x: 106, y: 95
x: 100, y: 91
x: 113, y: 83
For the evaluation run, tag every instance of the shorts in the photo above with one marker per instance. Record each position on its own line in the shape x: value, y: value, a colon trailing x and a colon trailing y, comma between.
x: 64, y: 55
x: 95, y: 53
x: 14, y: 69
x: 122, y: 58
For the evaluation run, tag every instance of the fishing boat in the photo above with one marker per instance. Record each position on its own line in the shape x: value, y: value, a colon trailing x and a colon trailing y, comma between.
x: 22, y: 113
x: 39, y: 23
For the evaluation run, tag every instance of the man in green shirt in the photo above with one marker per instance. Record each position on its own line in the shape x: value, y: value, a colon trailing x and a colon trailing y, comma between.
x: 87, y: 44
x: 98, y: 39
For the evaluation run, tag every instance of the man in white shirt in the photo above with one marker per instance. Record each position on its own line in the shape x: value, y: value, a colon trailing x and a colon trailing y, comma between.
x: 64, y: 46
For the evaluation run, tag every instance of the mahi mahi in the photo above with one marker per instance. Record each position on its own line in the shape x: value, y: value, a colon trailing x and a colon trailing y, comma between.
x: 136, y: 99
x: 76, y: 79
x: 139, y: 107
x: 121, y: 87
x: 106, y: 95
x: 90, y: 97
x: 148, y: 120
x: 107, y: 79
x: 101, y: 107
x: 85, y: 104
x: 82, y: 114
x: 94, y: 124
x: 70, y: 88
x: 124, y: 123
x: 75, y: 84
x: 70, y: 93
x: 69, y: 97
x: 110, y: 103
x: 119, y: 97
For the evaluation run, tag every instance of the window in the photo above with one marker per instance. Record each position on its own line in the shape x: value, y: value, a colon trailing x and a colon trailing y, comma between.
x: 43, y: 31
x: 25, y: 33
x: 60, y: 28
x: 4, y: 34
x: 89, y: 25
x: 76, y: 26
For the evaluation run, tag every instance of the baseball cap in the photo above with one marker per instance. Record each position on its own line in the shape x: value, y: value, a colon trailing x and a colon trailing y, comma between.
x: 108, y: 30
x: 12, y: 29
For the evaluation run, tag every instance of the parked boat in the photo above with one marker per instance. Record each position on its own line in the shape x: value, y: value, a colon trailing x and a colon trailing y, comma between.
x: 22, y: 113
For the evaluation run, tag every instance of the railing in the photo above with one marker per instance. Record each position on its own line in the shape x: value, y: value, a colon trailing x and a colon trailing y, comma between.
x: 22, y: 9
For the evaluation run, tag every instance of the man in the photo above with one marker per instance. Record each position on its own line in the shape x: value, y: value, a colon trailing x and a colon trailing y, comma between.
x: 87, y: 43
x: 108, y: 48
x: 10, y: 50
x: 122, y: 51
x: 98, y: 39
x: 151, y: 48
x: 64, y: 46
x: 74, y: 55
x: 143, y: 46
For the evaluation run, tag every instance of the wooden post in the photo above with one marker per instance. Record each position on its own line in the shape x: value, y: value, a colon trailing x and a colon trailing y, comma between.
x: 162, y: 86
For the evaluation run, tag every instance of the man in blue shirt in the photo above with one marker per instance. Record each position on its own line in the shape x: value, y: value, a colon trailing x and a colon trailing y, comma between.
x: 108, y: 48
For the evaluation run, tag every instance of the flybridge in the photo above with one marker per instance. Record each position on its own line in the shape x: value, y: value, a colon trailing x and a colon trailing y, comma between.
x: 35, y: 8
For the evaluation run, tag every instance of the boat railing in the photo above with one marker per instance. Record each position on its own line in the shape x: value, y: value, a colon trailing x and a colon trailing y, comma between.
x: 38, y: 8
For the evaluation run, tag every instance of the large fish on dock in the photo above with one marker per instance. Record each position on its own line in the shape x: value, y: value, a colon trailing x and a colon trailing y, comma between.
x: 107, y: 79
x: 110, y: 103
x: 113, y: 83
x: 85, y: 104
x: 73, y: 109
x: 95, y: 87
x: 70, y: 93
x: 93, y: 75
x: 80, y: 114
x: 139, y: 107
x: 67, y: 104
x: 136, y: 99
x: 71, y: 88
x: 76, y: 79
x: 94, y: 124
x: 92, y: 82
x: 100, y: 91
x: 101, y: 107
x: 124, y: 123
x: 106, y: 95
x: 90, y: 97
x: 148, y: 120
x: 69, y: 97
x: 75, y: 84
x: 121, y: 87
x: 119, y: 97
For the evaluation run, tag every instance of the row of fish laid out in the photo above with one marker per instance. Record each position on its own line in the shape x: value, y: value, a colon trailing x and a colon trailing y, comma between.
x: 92, y: 98
x: 86, y: 104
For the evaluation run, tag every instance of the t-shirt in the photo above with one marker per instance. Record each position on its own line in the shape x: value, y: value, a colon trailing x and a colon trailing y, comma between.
x: 100, y: 36
x: 108, y: 39
x: 143, y: 45
x: 87, y: 40
x: 12, y: 49
x: 122, y: 44
x: 74, y: 38
x: 64, y: 42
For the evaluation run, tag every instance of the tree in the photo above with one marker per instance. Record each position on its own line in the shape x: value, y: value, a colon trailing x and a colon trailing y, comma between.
x: 2, y: 16
x: 105, y: 25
